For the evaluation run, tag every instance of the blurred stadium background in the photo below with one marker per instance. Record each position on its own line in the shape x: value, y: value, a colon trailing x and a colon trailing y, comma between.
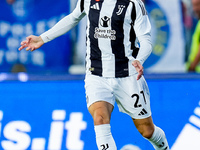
x: 42, y: 99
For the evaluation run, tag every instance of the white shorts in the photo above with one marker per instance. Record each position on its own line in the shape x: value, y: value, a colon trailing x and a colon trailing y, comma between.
x: 131, y: 95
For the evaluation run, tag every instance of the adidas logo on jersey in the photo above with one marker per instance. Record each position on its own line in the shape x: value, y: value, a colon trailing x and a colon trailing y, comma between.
x: 143, y: 112
x: 95, y: 6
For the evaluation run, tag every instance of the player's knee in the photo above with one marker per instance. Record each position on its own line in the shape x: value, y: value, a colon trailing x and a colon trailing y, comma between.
x: 147, y: 133
x: 101, y: 119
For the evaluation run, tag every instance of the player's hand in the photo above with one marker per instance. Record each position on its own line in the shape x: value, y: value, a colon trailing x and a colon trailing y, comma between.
x: 31, y: 43
x: 139, y: 68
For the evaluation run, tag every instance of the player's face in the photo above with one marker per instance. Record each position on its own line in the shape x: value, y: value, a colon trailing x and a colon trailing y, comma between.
x: 196, y: 7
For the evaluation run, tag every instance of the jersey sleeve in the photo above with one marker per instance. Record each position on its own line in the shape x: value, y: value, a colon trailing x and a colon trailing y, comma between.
x: 142, y: 29
x: 65, y: 24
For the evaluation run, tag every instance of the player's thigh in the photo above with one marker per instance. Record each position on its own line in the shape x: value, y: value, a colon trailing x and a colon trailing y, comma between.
x: 98, y: 89
x: 100, y: 99
x: 133, y: 98
x: 101, y: 109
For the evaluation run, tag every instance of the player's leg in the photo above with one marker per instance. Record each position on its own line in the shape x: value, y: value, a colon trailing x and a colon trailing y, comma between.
x: 144, y: 126
x: 134, y: 99
x: 152, y: 133
x: 101, y: 113
x: 100, y: 103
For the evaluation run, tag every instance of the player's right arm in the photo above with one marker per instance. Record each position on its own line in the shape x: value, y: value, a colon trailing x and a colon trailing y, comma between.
x: 31, y: 43
x: 64, y: 25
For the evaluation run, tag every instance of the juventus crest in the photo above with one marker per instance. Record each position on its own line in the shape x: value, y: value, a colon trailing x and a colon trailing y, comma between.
x: 121, y: 8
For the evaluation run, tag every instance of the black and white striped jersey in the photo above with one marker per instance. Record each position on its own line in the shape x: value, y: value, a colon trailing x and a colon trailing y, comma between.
x: 118, y: 32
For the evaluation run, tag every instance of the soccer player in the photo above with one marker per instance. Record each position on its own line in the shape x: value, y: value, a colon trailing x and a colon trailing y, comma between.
x: 118, y: 42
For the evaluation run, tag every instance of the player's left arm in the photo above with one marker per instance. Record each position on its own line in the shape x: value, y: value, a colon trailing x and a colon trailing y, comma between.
x: 142, y: 29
